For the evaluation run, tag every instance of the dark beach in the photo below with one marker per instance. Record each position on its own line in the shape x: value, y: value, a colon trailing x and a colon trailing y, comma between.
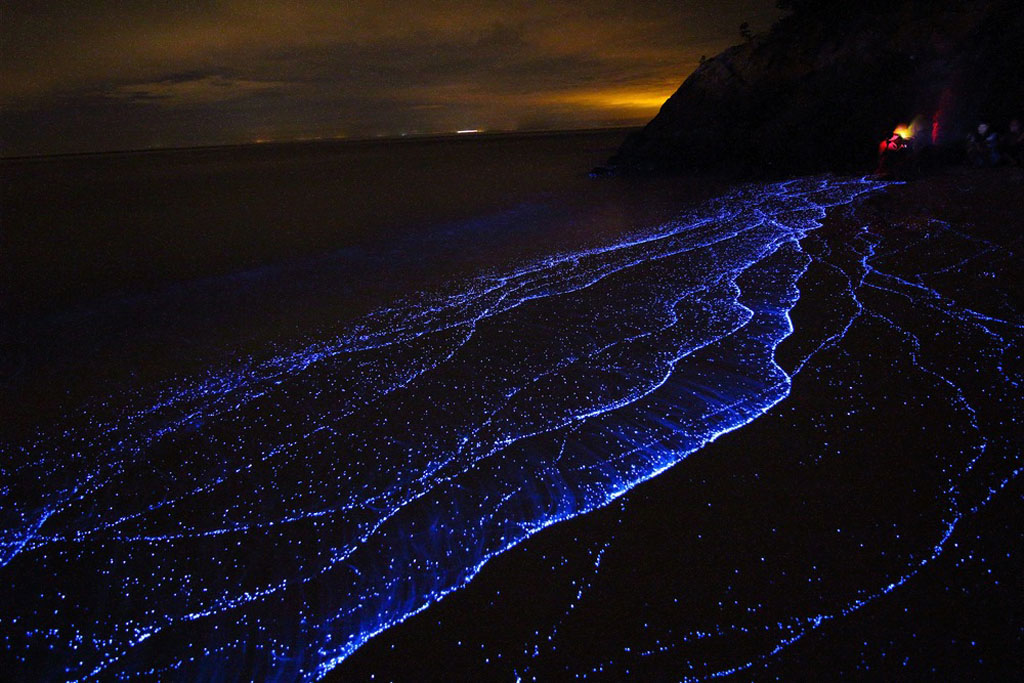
x: 753, y: 554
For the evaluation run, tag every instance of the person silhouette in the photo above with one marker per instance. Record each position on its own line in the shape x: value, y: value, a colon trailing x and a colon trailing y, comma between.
x: 983, y: 146
x: 1013, y: 143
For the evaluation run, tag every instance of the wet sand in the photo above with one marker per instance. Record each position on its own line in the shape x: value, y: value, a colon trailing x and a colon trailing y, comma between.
x: 867, y: 527
x: 864, y: 526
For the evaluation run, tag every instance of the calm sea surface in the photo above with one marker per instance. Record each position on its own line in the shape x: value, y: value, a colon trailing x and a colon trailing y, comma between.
x: 126, y: 268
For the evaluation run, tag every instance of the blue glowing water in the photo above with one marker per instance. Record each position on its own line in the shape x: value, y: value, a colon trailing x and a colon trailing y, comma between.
x: 264, y: 520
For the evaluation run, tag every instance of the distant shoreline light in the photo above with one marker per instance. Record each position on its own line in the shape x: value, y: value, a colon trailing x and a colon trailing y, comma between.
x: 467, y: 131
x: 615, y: 126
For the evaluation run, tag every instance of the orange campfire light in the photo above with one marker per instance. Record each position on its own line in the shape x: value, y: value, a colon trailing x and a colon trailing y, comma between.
x: 904, y: 131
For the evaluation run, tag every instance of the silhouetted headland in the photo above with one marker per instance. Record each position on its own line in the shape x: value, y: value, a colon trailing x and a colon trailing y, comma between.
x: 831, y: 80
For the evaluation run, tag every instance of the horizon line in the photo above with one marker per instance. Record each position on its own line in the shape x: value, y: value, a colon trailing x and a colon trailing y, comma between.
x: 438, y: 135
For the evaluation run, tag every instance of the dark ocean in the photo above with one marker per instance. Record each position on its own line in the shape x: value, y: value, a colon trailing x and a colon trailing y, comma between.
x: 137, y: 266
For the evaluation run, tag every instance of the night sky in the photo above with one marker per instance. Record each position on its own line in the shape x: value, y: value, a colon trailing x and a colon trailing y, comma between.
x: 96, y: 75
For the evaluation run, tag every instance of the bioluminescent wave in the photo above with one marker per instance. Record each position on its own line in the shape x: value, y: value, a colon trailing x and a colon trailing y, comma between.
x: 265, y: 520
x: 919, y: 300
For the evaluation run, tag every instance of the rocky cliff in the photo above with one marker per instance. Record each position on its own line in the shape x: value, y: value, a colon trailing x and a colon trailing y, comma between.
x: 833, y: 79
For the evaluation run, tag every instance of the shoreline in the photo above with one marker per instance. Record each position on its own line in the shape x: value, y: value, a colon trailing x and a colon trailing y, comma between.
x: 460, y: 635
x: 895, y: 326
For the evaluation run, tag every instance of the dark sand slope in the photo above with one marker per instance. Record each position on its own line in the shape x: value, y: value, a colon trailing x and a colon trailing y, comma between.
x: 867, y: 527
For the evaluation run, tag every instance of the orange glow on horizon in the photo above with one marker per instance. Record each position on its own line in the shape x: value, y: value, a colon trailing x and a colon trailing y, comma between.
x: 643, y: 99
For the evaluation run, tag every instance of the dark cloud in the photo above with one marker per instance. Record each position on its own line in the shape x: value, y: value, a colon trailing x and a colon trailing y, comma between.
x: 101, y: 74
